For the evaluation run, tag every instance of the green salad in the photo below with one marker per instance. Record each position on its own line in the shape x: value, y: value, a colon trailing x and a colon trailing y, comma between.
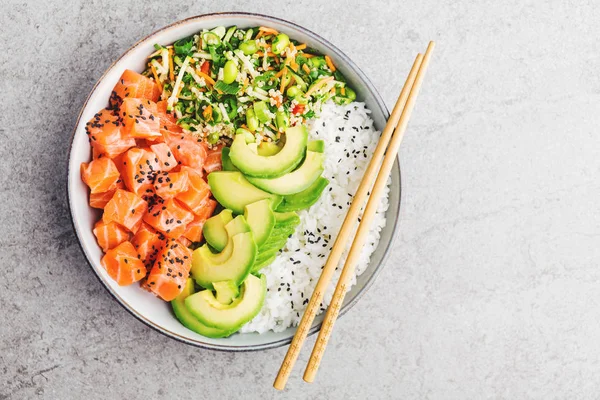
x: 254, y: 81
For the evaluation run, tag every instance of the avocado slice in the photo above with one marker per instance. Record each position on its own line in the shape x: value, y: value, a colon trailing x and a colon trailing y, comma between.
x: 268, y: 149
x: 295, y: 181
x: 263, y: 263
x: 234, y: 191
x: 252, y: 164
x: 214, y: 229
x: 226, y: 161
x: 233, y: 227
x: 286, y: 219
x: 188, y: 320
x: 204, y: 306
x: 305, y: 198
x: 208, y: 267
x: 227, y: 291
x: 261, y: 220
x: 316, y: 145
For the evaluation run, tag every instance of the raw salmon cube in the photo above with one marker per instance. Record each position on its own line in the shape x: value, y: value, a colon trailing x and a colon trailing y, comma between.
x: 168, y: 217
x: 213, y: 160
x: 168, y: 121
x: 198, y: 191
x: 139, y: 167
x: 188, y: 150
x: 140, y: 119
x: 134, y: 85
x: 166, y: 159
x: 105, y: 132
x: 126, y: 209
x: 169, y: 184
x: 148, y: 242
x: 110, y: 235
x: 99, y: 200
x: 193, y: 231
x: 170, y: 270
x: 123, y: 265
x: 101, y: 175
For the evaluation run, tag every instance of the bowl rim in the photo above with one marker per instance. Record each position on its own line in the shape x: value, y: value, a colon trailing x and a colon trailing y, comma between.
x: 227, y: 348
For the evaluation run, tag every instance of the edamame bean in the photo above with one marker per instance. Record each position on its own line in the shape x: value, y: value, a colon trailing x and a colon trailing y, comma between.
x: 350, y: 94
x: 293, y: 91
x: 280, y: 43
x: 213, y: 137
x: 230, y: 72
x: 251, y: 120
x: 248, y: 47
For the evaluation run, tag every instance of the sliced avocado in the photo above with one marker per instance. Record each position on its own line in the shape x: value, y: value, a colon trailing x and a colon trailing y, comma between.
x: 227, y: 291
x: 204, y: 306
x: 305, y: 198
x: 226, y: 161
x: 234, y: 191
x: 284, y: 219
x: 316, y: 145
x: 261, y: 220
x: 233, y: 227
x: 252, y: 164
x: 263, y: 263
x: 295, y: 181
x: 214, y: 229
x: 208, y: 267
x: 268, y: 149
x: 188, y: 320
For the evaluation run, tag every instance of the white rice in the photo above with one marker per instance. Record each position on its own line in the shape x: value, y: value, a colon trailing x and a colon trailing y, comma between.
x: 350, y: 140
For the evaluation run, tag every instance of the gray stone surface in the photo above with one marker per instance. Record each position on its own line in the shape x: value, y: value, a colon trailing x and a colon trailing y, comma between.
x: 493, y: 288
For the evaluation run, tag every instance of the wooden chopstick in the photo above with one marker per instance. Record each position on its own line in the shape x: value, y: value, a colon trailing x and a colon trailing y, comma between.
x: 365, y: 225
x: 345, y: 231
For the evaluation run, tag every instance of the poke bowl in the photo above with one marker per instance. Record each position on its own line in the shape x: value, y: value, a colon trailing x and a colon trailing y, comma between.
x: 210, y: 169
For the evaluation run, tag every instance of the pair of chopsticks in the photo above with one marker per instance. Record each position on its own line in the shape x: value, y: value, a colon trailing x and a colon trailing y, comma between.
x: 389, y: 143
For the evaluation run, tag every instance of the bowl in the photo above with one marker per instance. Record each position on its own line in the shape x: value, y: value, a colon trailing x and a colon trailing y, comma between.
x: 150, y: 310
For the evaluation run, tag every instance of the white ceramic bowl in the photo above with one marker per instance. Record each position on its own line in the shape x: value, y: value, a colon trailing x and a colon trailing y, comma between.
x: 147, y: 308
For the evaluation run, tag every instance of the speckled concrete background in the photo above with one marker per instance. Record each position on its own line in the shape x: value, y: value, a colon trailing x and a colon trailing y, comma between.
x: 493, y: 288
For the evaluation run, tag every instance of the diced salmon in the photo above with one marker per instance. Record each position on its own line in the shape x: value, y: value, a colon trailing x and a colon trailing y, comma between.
x: 170, y: 271
x: 110, y: 235
x: 126, y: 209
x: 166, y: 159
x: 101, y: 175
x: 123, y: 265
x: 213, y: 160
x: 99, y: 200
x: 167, y: 119
x: 187, y: 150
x: 168, y: 217
x: 198, y: 191
x: 134, y: 85
x: 140, y: 119
x: 185, y: 241
x: 139, y: 168
x: 193, y: 231
x: 169, y: 184
x: 148, y: 242
x: 105, y: 132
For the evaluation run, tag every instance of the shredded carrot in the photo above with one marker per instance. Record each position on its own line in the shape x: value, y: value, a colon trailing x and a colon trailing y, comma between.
x: 244, y: 126
x: 268, y: 30
x: 261, y: 44
x: 305, y: 68
x: 343, y: 91
x: 276, y: 60
x: 156, y: 77
x: 282, y: 86
x: 206, y: 77
x: 207, y: 113
x: 301, y: 47
x: 269, y: 68
x: 330, y: 63
x: 259, y: 35
x: 332, y: 91
x: 260, y: 54
x: 246, y: 80
x: 273, y: 127
x: 318, y: 84
x: 171, y: 71
x: 294, y: 66
x: 307, y: 55
x: 281, y: 72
